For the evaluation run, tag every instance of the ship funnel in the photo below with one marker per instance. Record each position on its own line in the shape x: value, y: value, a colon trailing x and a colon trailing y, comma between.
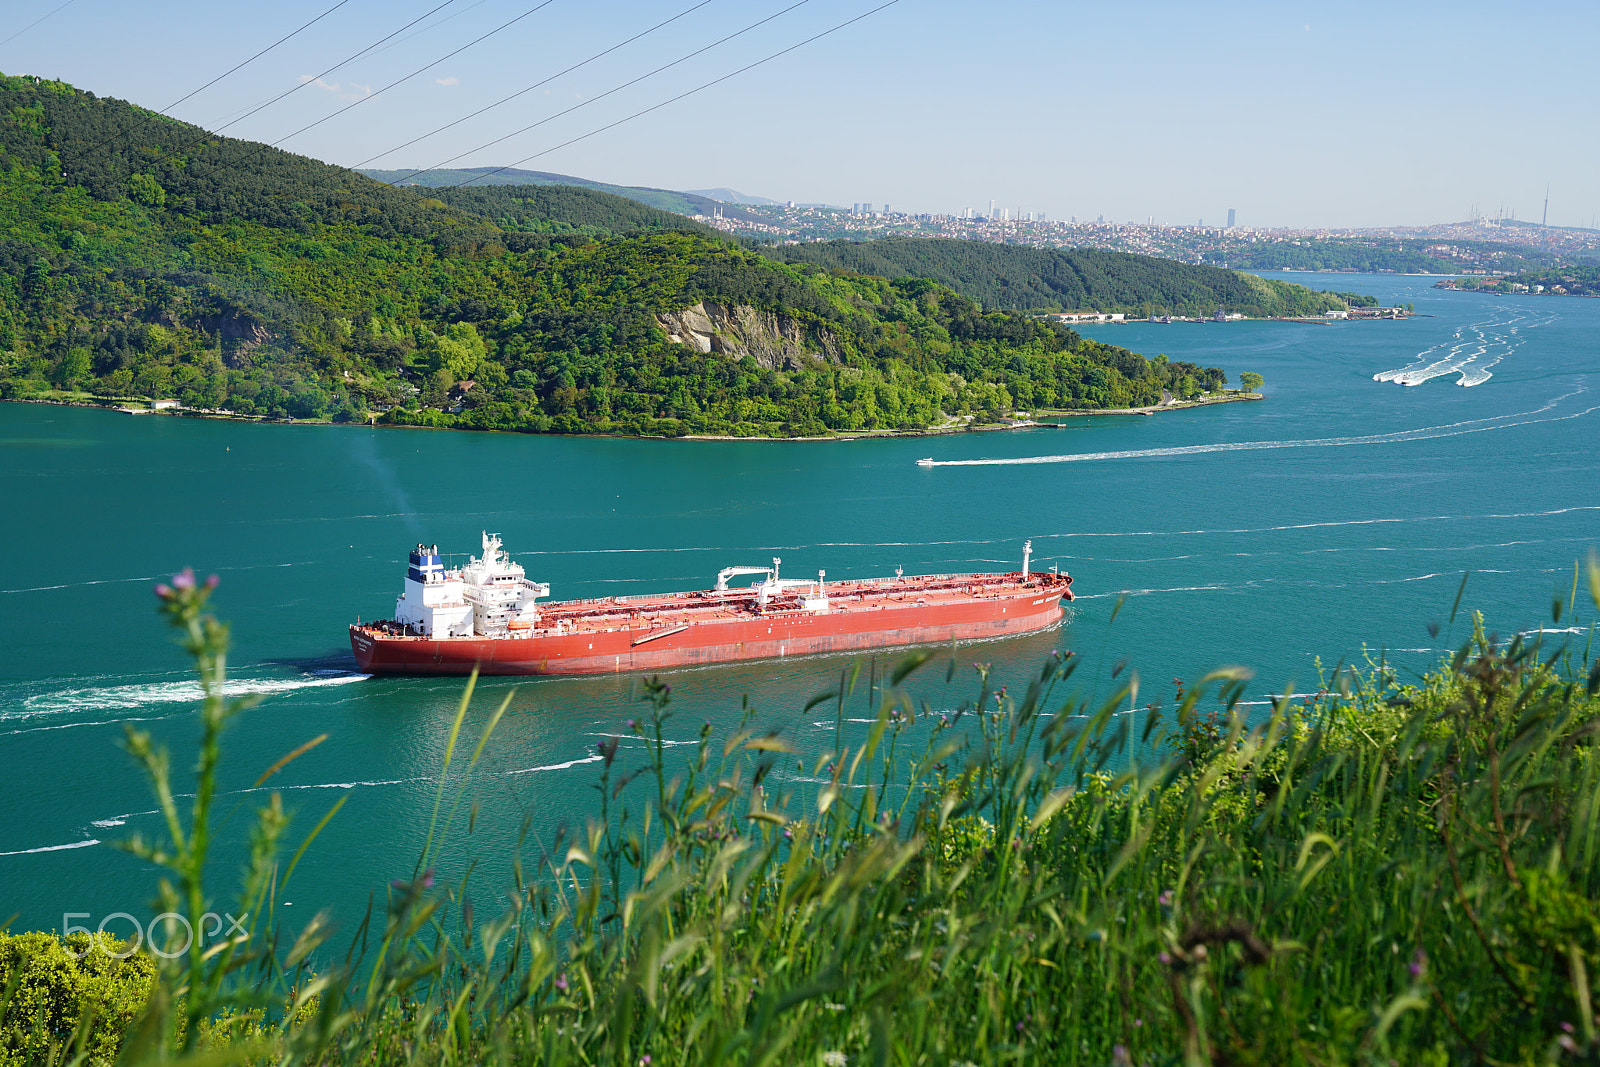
x: 1027, y: 554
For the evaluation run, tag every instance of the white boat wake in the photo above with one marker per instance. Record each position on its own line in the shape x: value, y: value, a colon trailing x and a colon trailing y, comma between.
x: 117, y: 697
x: 1470, y: 352
x: 1423, y: 433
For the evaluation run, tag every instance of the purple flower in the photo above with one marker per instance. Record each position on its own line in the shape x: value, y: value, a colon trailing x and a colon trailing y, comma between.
x: 212, y: 581
x: 561, y: 982
x: 1419, y: 964
x: 163, y: 590
x: 184, y: 579
x: 1567, y: 1044
x: 1020, y: 1026
x: 1138, y: 1023
x: 1165, y: 899
x: 644, y: 1061
x: 1165, y: 959
x: 1567, y: 1027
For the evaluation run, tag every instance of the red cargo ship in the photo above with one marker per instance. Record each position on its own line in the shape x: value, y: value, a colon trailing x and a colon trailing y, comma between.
x: 486, y: 614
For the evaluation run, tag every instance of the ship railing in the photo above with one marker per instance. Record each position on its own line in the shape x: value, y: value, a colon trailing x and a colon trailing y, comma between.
x: 910, y: 581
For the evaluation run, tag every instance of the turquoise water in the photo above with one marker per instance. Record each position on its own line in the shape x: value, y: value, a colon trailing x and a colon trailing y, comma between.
x: 1340, y: 510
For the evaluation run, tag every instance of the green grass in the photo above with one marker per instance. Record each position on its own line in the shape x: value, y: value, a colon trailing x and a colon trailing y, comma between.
x: 1387, y: 873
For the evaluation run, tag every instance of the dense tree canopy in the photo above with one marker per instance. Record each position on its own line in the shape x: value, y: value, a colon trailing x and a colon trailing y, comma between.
x: 1036, y: 279
x: 145, y: 258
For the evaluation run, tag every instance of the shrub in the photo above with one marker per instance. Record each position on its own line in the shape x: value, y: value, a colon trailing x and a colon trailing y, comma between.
x: 65, y: 996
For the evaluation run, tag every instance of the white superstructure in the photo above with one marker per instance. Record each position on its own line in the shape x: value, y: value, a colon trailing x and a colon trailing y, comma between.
x: 489, y: 597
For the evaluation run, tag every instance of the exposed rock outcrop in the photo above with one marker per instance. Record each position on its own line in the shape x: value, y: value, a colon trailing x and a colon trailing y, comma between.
x: 774, y: 340
x: 239, y: 333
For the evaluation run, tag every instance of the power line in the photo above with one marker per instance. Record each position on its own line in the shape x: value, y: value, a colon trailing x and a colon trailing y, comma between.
x: 336, y: 66
x: 680, y: 96
x: 34, y: 23
x: 413, y: 74
x: 537, y: 84
x: 144, y: 114
x: 257, y: 56
x: 617, y: 89
x: 207, y: 134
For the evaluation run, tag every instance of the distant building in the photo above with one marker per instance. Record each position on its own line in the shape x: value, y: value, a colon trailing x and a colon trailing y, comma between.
x: 165, y: 405
x: 1230, y: 218
x: 856, y: 208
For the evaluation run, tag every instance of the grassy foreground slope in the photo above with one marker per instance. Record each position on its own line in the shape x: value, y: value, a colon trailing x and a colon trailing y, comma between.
x: 1038, y: 279
x: 146, y: 258
x: 1386, y: 873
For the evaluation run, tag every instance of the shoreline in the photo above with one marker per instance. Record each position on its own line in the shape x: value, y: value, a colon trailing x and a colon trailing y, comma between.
x: 122, y: 406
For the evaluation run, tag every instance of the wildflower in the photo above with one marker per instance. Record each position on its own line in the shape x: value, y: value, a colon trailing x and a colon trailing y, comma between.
x: 184, y: 579
x: 834, y: 1058
x: 644, y: 1061
x: 1020, y: 1026
x: 1138, y: 1023
x: 633, y: 724
x: 561, y: 982
x: 1166, y: 960
x: 1567, y: 1044
x: 1165, y: 899
x: 1120, y: 1057
x: 1567, y: 1027
x: 1419, y: 964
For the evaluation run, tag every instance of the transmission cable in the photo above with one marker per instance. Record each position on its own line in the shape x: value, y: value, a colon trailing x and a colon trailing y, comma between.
x: 257, y: 56
x: 343, y: 62
x: 413, y: 74
x: 680, y: 96
x: 206, y: 135
x: 34, y: 23
x: 535, y: 85
x: 617, y: 89
x: 144, y: 114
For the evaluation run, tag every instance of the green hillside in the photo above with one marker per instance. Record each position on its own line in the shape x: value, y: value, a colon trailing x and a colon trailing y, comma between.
x: 1041, y: 279
x: 480, y: 177
x: 564, y: 209
x: 143, y: 257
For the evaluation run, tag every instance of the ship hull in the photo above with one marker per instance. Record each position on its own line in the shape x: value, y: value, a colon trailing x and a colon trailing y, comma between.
x: 665, y: 644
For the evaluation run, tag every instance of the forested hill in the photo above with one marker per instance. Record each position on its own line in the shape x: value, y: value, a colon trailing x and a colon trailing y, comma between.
x: 145, y: 258
x: 1044, y: 279
x: 662, y: 199
x: 564, y: 209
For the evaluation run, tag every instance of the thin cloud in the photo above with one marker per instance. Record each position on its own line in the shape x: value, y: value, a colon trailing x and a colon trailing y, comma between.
x: 350, y: 91
x: 451, y: 80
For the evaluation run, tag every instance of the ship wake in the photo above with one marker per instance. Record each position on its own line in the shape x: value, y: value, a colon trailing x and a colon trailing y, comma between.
x: 1469, y: 353
x: 123, y: 697
x: 1422, y: 433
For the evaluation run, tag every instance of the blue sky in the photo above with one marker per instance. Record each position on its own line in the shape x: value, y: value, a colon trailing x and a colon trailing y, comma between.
x: 1295, y: 114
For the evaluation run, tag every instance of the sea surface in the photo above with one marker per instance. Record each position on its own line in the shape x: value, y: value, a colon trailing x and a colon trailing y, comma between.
x: 1331, y: 522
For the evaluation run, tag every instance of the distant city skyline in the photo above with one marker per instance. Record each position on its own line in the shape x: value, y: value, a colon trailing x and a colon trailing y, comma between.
x: 1377, y: 115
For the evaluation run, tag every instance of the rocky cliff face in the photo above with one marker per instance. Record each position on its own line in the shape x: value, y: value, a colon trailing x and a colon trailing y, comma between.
x: 774, y: 340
